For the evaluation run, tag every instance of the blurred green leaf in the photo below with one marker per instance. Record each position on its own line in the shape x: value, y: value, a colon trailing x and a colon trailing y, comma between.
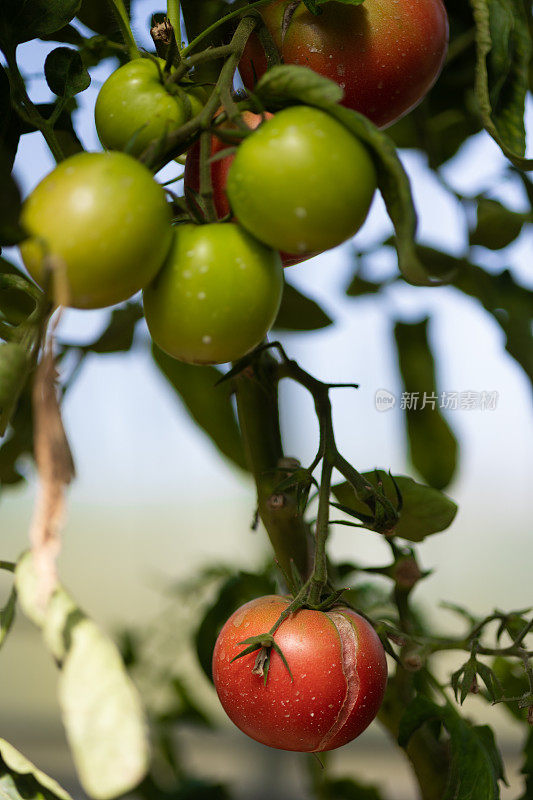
x: 502, y: 73
x: 98, y: 16
x: 210, y: 406
x: 9, y: 126
x: 15, y: 303
x: 527, y: 769
x: 513, y: 679
x: 21, y: 780
x: 11, y: 231
x: 30, y: 19
x: 432, y: 444
x: 18, y: 444
x: 348, y: 789
x: 15, y: 365
x: 7, y: 616
x: 476, y: 766
x: 65, y: 73
x: 118, y: 336
x: 510, y: 304
x: 299, y: 313
x: 425, y: 510
x: 234, y: 592
x: 497, y: 226
x: 198, y: 17
x: 101, y: 710
x: 359, y: 286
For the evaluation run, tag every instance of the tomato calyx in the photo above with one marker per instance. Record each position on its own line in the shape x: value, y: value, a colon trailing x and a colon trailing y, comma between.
x: 264, y: 642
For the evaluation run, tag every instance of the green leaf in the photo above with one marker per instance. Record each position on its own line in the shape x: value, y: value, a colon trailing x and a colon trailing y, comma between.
x: 18, y: 444
x: 395, y: 188
x: 425, y: 510
x: 11, y: 231
x: 9, y: 124
x: 234, y: 592
x: 527, y: 769
x: 502, y: 73
x: 98, y: 16
x: 65, y: 73
x: 285, y: 82
x: 348, y: 789
x: 15, y: 303
x: 476, y: 766
x: 15, y: 365
x: 101, y: 709
x: 432, y: 444
x: 510, y: 304
x: 21, y: 780
x: 496, y: 226
x: 7, y: 615
x: 359, y: 286
x: 513, y: 679
x: 118, y: 336
x: 210, y: 406
x: 30, y: 19
x: 63, y: 127
x: 299, y: 313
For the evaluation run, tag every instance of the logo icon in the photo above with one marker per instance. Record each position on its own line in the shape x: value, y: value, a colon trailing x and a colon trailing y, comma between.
x: 384, y: 400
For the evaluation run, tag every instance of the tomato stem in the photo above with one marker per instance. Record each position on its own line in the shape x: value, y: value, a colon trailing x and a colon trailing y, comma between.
x: 125, y: 28
x: 173, y: 14
x: 222, y: 21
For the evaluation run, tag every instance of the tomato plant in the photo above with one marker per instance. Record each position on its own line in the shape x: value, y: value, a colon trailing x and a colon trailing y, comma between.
x: 302, y: 666
x: 326, y: 694
x: 101, y: 224
x: 220, y: 167
x: 135, y: 105
x: 385, y: 56
x: 217, y: 295
x: 301, y: 182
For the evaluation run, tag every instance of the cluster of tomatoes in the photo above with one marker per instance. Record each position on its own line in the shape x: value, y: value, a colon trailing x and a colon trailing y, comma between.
x: 100, y: 230
x: 101, y: 227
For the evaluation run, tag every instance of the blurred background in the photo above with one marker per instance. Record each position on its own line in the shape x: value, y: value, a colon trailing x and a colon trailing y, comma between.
x: 154, y: 502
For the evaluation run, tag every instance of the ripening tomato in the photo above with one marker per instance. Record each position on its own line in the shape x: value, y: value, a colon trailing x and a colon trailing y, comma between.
x: 219, y: 176
x: 301, y: 182
x: 101, y: 223
x: 217, y: 295
x: 134, y: 106
x: 384, y: 54
x: 339, y: 675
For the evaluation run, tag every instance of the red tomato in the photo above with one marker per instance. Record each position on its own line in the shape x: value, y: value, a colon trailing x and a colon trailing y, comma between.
x: 219, y: 178
x: 384, y: 54
x: 338, y: 666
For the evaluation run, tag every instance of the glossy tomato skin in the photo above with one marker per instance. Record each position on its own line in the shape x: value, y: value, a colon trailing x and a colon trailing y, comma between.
x: 133, y: 106
x: 301, y: 182
x: 219, y: 178
x: 217, y: 295
x: 384, y: 54
x: 104, y: 220
x: 338, y: 666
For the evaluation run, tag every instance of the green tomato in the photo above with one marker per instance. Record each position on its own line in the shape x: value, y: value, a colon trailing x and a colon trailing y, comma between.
x: 101, y: 224
x: 133, y: 106
x: 217, y: 295
x: 301, y: 182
